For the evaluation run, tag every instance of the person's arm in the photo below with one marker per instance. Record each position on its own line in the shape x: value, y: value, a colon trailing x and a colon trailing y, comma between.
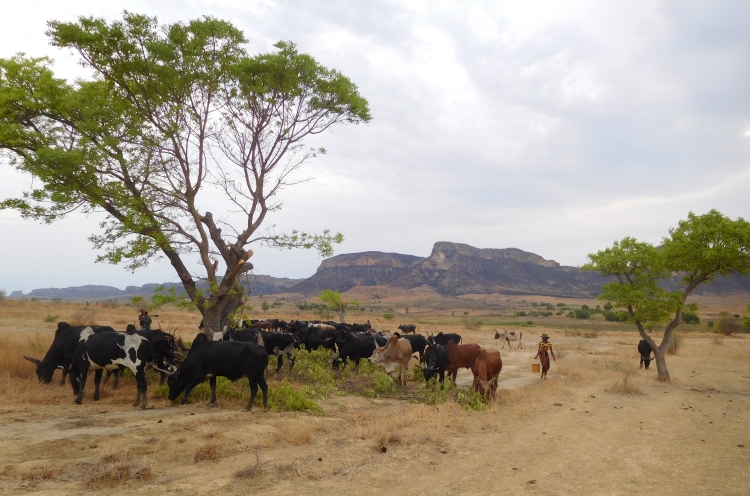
x: 553, y: 353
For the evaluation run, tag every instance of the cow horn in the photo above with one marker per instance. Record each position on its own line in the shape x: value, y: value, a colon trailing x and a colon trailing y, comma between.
x: 35, y: 361
x: 167, y: 372
x: 224, y: 331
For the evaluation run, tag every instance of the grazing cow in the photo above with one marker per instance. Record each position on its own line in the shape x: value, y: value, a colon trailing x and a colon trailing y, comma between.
x: 210, y: 359
x: 408, y: 328
x: 418, y: 343
x: 486, y: 369
x: 60, y: 353
x: 460, y: 356
x: 275, y: 343
x: 645, y: 351
x: 355, y: 348
x: 444, y: 338
x: 161, y: 350
x: 312, y: 339
x: 508, y: 336
x: 395, y: 354
x: 110, y: 351
x: 436, y: 357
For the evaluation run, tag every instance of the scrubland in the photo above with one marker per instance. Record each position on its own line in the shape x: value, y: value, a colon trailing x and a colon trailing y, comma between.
x: 598, y: 425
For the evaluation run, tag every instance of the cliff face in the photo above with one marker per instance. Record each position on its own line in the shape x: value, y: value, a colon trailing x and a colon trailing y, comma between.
x: 454, y: 268
x: 343, y: 272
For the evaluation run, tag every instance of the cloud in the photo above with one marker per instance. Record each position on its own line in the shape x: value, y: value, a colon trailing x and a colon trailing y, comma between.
x: 554, y: 127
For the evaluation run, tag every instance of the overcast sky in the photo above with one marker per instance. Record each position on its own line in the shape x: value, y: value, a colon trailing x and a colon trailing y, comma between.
x: 553, y: 127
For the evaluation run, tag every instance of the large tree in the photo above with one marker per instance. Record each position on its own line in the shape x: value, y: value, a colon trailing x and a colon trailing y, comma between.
x: 173, y: 118
x: 695, y: 252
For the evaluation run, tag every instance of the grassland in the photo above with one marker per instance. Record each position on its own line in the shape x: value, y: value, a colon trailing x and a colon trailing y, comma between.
x: 598, y: 425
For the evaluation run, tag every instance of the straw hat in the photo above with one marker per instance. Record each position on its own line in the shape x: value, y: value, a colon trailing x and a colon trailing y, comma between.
x: 544, y: 335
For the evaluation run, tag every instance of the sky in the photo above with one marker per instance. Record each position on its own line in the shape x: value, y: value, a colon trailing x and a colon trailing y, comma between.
x: 554, y: 127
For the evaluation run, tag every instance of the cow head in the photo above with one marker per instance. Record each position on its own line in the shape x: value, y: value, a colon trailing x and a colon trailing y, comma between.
x: 647, y: 361
x: 176, y: 382
x: 497, y: 335
x: 483, y: 387
x: 41, y: 371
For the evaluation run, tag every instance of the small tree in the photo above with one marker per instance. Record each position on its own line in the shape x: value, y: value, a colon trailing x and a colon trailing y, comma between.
x: 265, y: 306
x: 336, y: 303
x: 698, y: 249
x: 3, y: 294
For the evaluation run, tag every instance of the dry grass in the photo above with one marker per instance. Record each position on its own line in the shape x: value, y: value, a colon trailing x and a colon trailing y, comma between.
x: 117, y: 470
x: 675, y: 343
x: 625, y: 387
x: 251, y: 471
x: 39, y: 473
x: 718, y: 340
x: 210, y: 451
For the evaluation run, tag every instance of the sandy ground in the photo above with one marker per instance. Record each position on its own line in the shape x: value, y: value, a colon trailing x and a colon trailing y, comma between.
x: 570, y: 434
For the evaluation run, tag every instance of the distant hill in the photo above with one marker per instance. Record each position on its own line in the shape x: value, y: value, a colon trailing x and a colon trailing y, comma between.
x: 259, y: 284
x: 451, y: 269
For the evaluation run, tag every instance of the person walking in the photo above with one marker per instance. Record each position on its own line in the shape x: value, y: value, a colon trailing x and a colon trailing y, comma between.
x: 545, y: 349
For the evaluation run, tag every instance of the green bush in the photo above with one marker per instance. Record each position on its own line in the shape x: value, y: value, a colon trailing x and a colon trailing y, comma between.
x: 313, y: 369
x: 51, y: 318
x: 471, y: 400
x: 388, y: 316
x: 521, y: 314
x: 582, y: 313
x: 690, y: 318
x: 226, y: 390
x: 283, y: 398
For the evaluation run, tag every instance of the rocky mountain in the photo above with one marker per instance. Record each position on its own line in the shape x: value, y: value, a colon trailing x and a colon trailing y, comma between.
x: 370, y: 268
x: 259, y: 284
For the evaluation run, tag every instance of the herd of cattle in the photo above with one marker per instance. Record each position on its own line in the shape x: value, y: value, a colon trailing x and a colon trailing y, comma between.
x: 244, y: 352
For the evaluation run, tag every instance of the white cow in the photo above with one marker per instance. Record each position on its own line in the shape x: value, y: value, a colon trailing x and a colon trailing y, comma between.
x: 508, y: 336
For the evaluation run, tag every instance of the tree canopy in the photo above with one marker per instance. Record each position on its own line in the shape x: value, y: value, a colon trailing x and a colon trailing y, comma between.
x: 174, y: 117
x: 336, y: 303
x: 698, y: 250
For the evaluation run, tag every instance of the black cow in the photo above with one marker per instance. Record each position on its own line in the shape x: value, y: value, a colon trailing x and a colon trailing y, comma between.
x: 312, y: 339
x: 355, y: 348
x: 60, y: 353
x: 230, y: 359
x: 444, y: 338
x: 408, y: 328
x: 418, y: 343
x: 110, y: 350
x: 645, y: 351
x: 275, y: 343
x: 437, y: 361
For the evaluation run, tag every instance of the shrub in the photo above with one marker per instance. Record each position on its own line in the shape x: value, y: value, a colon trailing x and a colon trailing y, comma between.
x: 590, y: 334
x: 283, y: 398
x: 582, y: 313
x: 675, y: 343
x: 571, y: 314
x: 728, y: 325
x: 388, y: 316
x: 3, y: 294
x: 313, y: 368
x: 560, y: 305
x: 521, y: 314
x: 529, y: 322
x: 611, y: 317
x: 710, y: 324
x: 585, y: 307
x: 226, y: 390
x: 690, y: 318
x: 51, y: 318
x: 471, y: 400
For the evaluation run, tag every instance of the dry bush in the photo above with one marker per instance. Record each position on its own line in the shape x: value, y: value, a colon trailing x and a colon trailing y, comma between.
x: 718, y: 340
x: 114, y: 469
x: 40, y: 473
x: 675, y: 343
x: 82, y: 317
x: 623, y: 386
x: 578, y: 374
x: 15, y: 345
x: 297, y: 433
x: 209, y: 430
x: 208, y: 451
x: 251, y: 471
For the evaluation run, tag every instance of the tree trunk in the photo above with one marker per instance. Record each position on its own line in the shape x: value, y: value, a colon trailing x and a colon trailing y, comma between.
x: 661, y: 364
x: 220, y: 307
x: 342, y: 314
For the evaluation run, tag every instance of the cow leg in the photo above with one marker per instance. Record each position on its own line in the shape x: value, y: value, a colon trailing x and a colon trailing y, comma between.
x: 279, y: 362
x: 520, y: 345
x: 140, y: 379
x: 254, y: 383
x: 356, y: 366
x: 82, y: 375
x: 442, y: 379
x: 188, y: 389
x: 212, y: 384
x: 117, y: 373
x: 97, y: 382
x: 640, y: 366
x: 64, y: 373
x: 291, y: 360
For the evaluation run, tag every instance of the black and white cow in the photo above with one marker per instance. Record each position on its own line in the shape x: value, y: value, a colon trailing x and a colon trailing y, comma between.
x: 644, y: 349
x: 436, y: 357
x: 210, y: 359
x: 110, y: 351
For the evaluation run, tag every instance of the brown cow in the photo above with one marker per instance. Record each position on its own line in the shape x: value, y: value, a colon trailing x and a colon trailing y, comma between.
x: 486, y: 370
x: 460, y: 356
x: 265, y: 325
x: 396, y: 353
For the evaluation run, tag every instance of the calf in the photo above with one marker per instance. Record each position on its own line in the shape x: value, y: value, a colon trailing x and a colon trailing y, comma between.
x: 460, y: 356
x: 408, y: 328
x: 486, y: 370
x: 508, y: 336
x: 394, y: 355
x: 210, y: 359
x: 110, y: 351
x: 436, y: 358
x: 645, y: 351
